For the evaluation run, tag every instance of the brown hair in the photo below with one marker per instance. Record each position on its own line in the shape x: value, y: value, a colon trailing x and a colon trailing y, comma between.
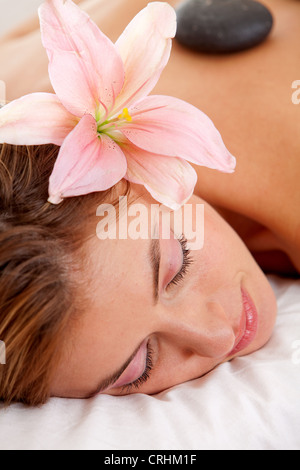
x: 39, y: 246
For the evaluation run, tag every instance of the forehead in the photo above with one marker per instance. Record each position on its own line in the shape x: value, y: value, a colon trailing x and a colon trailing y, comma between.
x: 117, y: 267
x: 117, y: 281
x: 117, y: 261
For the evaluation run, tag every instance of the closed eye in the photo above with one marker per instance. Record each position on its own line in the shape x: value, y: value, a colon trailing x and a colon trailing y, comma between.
x: 177, y: 279
x: 145, y: 376
x: 187, y: 261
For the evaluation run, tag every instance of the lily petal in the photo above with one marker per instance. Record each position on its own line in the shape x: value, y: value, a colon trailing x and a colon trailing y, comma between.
x: 169, y: 180
x: 86, y: 163
x: 84, y: 66
x: 169, y: 126
x: 145, y: 48
x: 35, y: 119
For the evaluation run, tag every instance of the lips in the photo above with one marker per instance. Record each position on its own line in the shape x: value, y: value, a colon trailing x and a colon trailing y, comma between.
x: 248, y: 325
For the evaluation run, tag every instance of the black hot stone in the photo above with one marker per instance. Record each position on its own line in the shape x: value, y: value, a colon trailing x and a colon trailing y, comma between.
x: 222, y: 25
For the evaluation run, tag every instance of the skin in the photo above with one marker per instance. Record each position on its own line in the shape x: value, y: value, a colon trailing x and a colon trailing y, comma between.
x: 248, y: 97
x: 250, y: 214
x: 192, y: 328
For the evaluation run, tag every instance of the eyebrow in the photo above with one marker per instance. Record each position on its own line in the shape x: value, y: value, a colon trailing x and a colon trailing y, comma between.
x: 154, y: 256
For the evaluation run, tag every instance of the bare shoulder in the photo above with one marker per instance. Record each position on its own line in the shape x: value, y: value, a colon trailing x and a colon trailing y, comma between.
x: 248, y: 95
x: 249, y: 98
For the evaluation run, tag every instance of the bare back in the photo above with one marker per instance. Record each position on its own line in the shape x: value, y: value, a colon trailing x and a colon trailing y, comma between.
x: 248, y: 95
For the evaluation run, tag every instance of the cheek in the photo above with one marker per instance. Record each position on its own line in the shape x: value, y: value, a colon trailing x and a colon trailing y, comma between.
x: 224, y: 259
x: 223, y: 247
x: 227, y: 258
x: 219, y: 245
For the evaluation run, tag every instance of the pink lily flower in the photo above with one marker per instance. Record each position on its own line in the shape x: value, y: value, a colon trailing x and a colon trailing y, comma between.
x: 101, y: 115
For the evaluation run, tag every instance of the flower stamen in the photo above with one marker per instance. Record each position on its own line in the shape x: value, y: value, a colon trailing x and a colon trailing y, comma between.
x: 125, y: 115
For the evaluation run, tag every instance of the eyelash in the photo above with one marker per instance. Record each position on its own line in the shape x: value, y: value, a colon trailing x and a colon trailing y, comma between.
x: 143, y: 378
x: 187, y: 261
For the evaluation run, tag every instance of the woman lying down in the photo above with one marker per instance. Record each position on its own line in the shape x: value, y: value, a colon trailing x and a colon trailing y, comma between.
x: 133, y: 244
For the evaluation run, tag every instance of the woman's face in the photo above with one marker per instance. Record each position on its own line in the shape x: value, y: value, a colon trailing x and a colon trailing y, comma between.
x: 160, y: 316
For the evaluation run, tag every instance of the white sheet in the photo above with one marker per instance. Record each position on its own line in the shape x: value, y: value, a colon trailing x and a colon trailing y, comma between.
x: 251, y: 403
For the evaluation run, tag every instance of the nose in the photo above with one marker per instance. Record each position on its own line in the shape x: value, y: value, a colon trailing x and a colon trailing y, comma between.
x: 205, y: 331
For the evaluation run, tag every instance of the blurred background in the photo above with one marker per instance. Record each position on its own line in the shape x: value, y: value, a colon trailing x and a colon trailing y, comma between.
x: 13, y: 12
